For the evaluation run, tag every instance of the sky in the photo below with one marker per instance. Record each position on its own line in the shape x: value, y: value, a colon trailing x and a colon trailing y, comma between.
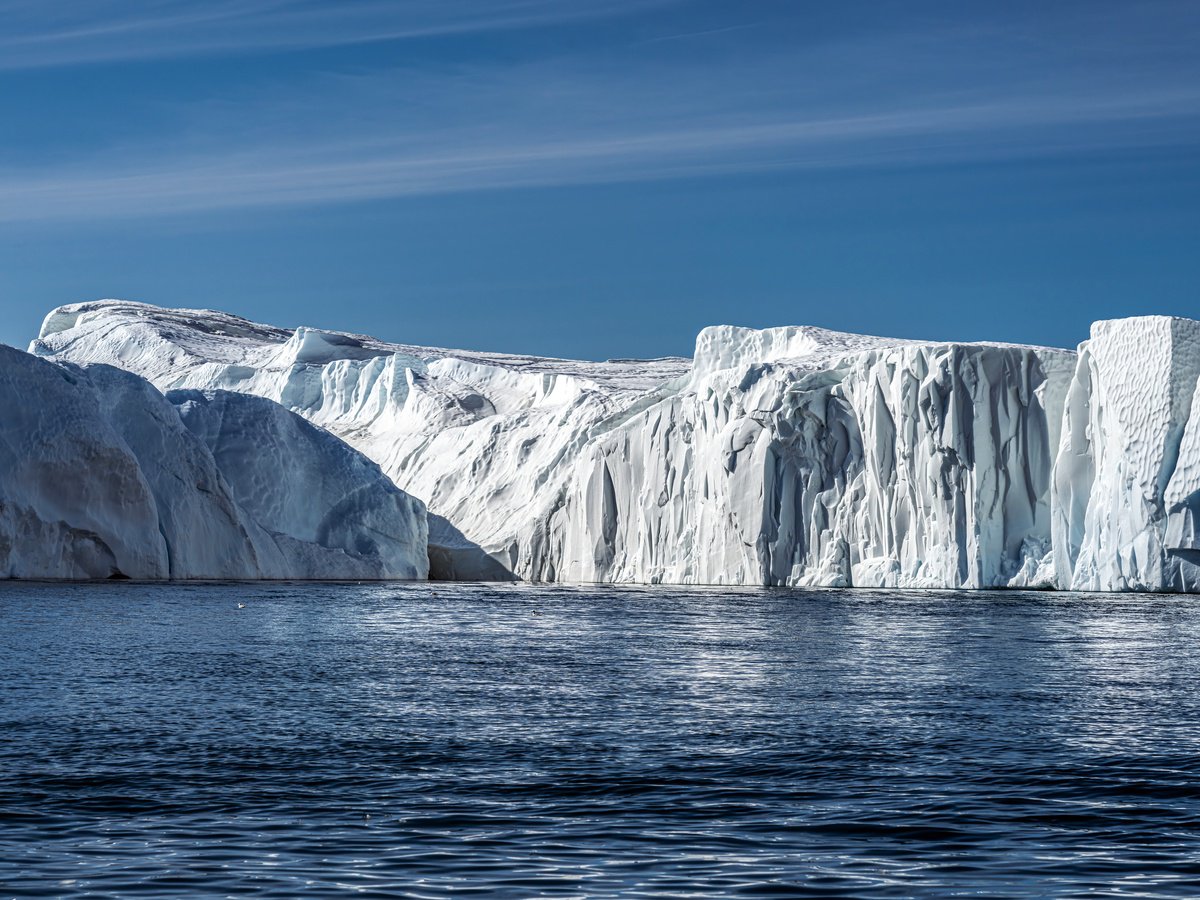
x: 603, y: 178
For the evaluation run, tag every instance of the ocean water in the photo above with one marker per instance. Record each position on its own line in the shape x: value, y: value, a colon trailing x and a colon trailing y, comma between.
x: 469, y: 740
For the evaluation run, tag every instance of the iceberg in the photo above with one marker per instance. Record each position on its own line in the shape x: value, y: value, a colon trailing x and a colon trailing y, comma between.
x: 800, y: 456
x: 779, y: 456
x: 1127, y: 478
x: 487, y: 440
x: 101, y: 477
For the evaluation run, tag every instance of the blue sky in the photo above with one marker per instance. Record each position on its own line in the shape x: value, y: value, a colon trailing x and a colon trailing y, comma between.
x: 604, y: 178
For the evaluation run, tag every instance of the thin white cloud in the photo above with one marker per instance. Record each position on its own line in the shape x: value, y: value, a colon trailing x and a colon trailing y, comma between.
x: 879, y: 99
x: 343, y: 170
x: 39, y: 34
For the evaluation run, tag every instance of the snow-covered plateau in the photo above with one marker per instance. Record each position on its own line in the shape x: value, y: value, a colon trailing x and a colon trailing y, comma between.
x: 103, y: 476
x: 782, y: 456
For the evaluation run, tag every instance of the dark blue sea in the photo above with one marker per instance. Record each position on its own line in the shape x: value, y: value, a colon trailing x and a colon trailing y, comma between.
x: 480, y: 741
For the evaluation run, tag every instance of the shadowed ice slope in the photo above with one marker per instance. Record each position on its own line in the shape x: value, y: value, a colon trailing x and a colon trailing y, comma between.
x: 332, y: 512
x: 101, y: 477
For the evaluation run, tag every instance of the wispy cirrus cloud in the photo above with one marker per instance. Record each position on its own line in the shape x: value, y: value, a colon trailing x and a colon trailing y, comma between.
x: 917, y: 97
x: 456, y: 158
x: 38, y: 34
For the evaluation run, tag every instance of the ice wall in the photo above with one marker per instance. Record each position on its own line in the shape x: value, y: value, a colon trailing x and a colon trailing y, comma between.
x: 1127, y: 478
x: 99, y: 478
x: 845, y: 462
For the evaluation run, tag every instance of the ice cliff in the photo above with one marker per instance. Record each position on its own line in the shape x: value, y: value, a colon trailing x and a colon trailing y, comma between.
x: 1127, y: 479
x: 792, y: 456
x: 804, y: 457
x: 101, y: 476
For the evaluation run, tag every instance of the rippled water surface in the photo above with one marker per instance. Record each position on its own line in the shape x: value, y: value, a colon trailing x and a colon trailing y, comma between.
x: 508, y: 741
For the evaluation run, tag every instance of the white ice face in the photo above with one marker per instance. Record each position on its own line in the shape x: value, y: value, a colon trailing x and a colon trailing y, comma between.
x: 793, y: 455
x: 100, y: 476
x: 1127, y: 478
x: 914, y: 465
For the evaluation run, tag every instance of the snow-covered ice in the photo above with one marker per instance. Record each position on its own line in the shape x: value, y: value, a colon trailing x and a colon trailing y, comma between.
x: 791, y: 456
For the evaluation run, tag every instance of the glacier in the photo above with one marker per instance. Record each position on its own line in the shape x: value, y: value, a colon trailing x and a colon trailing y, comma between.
x: 103, y: 476
x: 778, y: 456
